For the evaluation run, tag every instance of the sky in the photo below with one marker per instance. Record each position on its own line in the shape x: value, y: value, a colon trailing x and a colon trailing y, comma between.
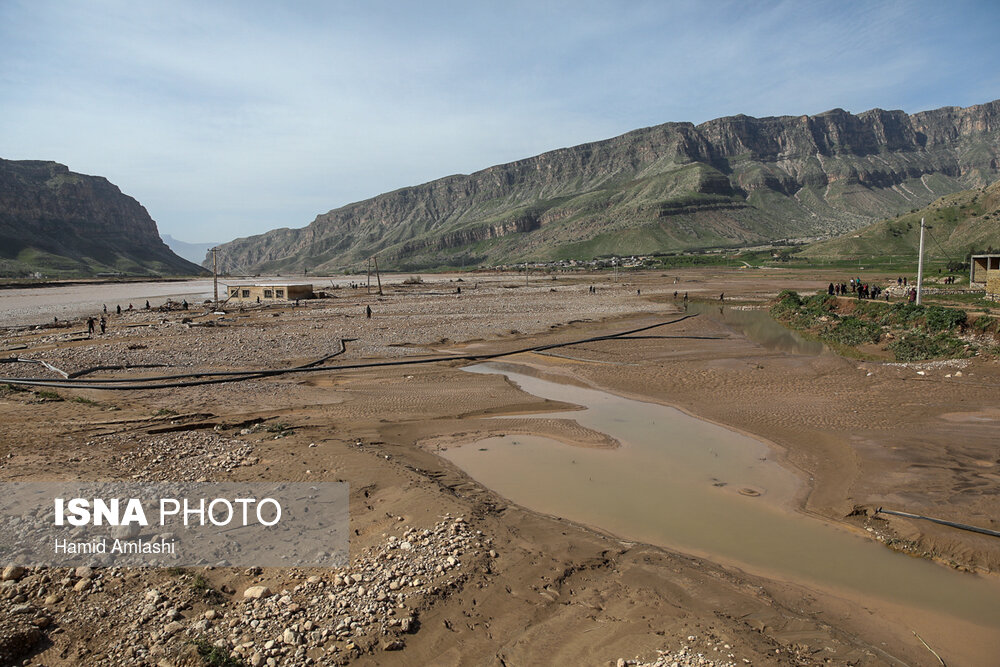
x: 227, y: 119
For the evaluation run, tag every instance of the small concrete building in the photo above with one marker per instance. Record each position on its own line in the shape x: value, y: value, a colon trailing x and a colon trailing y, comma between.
x: 268, y: 292
x: 985, y: 271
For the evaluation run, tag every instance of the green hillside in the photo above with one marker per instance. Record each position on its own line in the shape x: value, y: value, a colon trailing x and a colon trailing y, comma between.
x: 958, y: 224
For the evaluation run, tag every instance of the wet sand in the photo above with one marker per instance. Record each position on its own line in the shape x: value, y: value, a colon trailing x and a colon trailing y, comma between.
x: 860, y: 435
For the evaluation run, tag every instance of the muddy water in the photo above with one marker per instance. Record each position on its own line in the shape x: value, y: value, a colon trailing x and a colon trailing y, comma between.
x: 693, y: 486
x: 36, y: 305
x: 760, y: 327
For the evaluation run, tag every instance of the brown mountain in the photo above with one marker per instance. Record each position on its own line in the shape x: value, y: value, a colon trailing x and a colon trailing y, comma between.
x: 63, y: 224
x: 727, y: 182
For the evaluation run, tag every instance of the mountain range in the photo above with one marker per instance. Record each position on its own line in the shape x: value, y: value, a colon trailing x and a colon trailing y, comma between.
x: 192, y: 252
x: 727, y: 182
x: 64, y: 224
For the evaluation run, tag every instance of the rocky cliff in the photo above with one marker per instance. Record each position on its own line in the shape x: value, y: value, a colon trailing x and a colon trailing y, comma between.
x: 729, y: 181
x: 61, y: 224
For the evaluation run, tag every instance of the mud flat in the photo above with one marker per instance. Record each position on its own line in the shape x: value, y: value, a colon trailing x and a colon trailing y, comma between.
x: 521, y: 587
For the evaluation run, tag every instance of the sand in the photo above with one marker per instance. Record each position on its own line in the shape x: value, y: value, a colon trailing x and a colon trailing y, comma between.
x: 862, y: 434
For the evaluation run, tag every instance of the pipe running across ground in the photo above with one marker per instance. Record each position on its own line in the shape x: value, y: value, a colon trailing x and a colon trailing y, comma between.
x: 215, y: 377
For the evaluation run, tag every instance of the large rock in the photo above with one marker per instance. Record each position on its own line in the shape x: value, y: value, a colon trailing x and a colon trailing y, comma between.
x: 257, y: 592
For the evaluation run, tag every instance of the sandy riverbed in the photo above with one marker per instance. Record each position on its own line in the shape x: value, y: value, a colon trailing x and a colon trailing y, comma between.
x: 536, y: 590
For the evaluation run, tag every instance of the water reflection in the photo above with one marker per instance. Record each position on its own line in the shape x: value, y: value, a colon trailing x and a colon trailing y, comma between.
x: 760, y: 327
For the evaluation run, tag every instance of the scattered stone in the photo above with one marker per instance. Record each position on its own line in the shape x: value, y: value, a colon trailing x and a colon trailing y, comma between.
x: 17, y: 642
x: 257, y: 592
x: 172, y: 628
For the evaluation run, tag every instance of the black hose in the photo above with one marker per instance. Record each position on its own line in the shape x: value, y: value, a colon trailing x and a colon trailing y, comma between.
x: 974, y: 529
x: 180, y: 376
x: 215, y: 377
x: 116, y: 367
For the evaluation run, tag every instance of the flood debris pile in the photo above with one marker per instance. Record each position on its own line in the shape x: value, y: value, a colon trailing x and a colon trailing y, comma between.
x: 686, y: 657
x: 370, y: 606
x: 192, y: 455
x: 329, y: 617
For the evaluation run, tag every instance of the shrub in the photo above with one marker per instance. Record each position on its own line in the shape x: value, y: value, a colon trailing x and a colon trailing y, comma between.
x: 918, y: 346
x: 854, y: 331
x: 788, y: 301
x: 982, y: 323
x: 945, y: 319
x: 280, y: 429
x: 214, y: 656
x: 903, y: 314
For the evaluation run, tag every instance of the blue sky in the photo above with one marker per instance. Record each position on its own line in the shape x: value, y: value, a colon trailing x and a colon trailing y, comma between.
x: 227, y: 119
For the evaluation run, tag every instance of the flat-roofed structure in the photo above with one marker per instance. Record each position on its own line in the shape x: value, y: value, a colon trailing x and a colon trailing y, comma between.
x: 981, y: 265
x: 269, y: 292
x: 985, y: 271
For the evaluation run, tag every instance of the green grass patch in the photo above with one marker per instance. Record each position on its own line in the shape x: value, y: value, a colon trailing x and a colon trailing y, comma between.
x: 280, y: 429
x: 853, y: 331
x: 919, y: 346
x: 85, y: 400
x: 213, y: 656
x: 912, y: 332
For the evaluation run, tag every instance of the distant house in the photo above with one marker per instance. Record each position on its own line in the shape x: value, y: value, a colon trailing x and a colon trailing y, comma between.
x: 269, y: 292
x: 985, y: 271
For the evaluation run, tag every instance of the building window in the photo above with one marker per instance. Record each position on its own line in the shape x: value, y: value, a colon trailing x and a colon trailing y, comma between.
x: 246, y: 294
x: 280, y: 293
x: 268, y: 294
x: 234, y: 292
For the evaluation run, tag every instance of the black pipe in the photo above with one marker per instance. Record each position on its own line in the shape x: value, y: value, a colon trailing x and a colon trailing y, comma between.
x: 235, y: 376
x: 974, y: 529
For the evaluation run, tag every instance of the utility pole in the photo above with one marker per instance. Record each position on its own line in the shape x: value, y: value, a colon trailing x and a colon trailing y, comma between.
x: 215, y: 277
x: 378, y: 277
x: 920, y: 264
x: 525, y: 274
x: 368, y: 284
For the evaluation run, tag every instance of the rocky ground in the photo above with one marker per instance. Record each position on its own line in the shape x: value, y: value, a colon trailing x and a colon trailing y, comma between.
x: 442, y: 571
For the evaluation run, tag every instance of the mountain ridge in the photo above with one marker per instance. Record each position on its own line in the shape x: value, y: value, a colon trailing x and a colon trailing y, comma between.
x: 61, y: 223
x: 725, y: 182
x: 192, y: 252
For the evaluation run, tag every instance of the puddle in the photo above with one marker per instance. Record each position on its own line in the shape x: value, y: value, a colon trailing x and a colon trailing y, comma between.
x: 697, y: 487
x: 760, y: 327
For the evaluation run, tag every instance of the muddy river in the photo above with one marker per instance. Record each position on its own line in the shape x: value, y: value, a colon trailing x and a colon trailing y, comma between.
x: 696, y: 487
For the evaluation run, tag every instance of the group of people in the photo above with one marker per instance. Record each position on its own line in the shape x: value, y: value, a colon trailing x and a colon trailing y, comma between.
x: 93, y: 323
x: 857, y: 288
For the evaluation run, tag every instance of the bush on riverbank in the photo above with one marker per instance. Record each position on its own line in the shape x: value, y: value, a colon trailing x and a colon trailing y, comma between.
x: 910, y: 332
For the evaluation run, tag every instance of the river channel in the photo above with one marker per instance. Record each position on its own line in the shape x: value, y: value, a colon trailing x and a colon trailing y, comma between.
x: 697, y: 487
